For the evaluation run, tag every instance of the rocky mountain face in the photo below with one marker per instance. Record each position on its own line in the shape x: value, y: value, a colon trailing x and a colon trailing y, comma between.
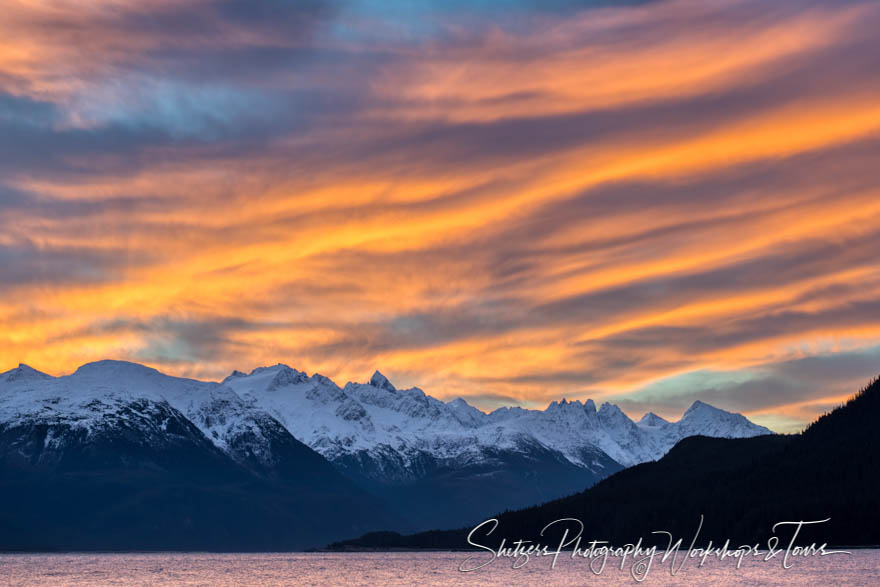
x: 437, y: 463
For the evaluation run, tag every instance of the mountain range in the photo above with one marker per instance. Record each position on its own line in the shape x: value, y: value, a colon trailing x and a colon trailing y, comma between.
x: 740, y: 487
x: 444, y: 462
x: 119, y: 455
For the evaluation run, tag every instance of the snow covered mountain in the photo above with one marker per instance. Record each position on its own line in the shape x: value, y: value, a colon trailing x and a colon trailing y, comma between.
x: 372, y: 418
x: 438, y: 463
x: 444, y: 462
x: 120, y: 456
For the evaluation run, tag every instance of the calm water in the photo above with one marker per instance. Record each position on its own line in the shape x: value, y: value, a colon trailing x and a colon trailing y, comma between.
x: 436, y: 568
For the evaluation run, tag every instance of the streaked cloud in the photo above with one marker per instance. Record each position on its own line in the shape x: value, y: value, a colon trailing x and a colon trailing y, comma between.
x: 509, y: 201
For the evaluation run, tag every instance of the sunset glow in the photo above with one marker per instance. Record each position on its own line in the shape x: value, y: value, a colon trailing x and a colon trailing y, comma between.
x: 650, y: 203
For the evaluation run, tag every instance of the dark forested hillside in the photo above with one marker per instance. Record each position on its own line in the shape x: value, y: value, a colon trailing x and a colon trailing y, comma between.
x: 121, y: 488
x: 741, y: 487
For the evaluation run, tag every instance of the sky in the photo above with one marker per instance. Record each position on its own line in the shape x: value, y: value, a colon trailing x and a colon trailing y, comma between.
x: 510, y: 201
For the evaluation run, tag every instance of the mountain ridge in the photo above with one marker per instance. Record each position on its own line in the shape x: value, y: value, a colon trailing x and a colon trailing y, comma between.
x: 436, y: 461
x: 378, y: 379
x: 740, y: 487
x: 145, y: 461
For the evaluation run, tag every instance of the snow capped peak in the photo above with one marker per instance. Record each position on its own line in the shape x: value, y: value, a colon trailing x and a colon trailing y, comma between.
x: 275, y: 367
x: 652, y: 419
x: 285, y: 377
x: 699, y: 406
x: 563, y: 404
x: 319, y: 379
x: 236, y: 373
x: 24, y: 372
x: 466, y: 413
x: 609, y: 408
x: 702, y: 418
x: 379, y: 380
x: 590, y: 406
x: 506, y: 411
x: 111, y: 368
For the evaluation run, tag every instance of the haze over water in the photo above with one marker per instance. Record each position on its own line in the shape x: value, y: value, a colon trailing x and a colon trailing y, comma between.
x: 860, y: 568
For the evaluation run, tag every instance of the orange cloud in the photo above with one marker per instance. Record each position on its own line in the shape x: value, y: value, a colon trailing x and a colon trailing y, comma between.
x: 583, y: 205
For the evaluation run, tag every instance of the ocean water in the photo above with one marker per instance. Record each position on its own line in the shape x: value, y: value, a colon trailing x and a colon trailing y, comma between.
x: 861, y: 568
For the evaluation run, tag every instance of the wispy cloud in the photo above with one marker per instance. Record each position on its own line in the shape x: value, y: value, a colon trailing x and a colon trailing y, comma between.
x: 507, y: 201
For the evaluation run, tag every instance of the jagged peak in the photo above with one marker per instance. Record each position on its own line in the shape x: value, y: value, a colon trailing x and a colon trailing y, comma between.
x: 700, y: 406
x: 608, y: 407
x: 590, y: 406
x: 652, y: 419
x: 379, y: 380
x: 565, y: 406
x: 24, y: 372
